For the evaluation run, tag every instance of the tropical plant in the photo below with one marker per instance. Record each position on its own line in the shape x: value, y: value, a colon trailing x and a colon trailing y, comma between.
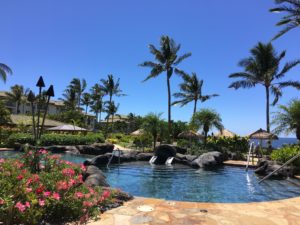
x: 206, y: 119
x: 4, y: 70
x: 263, y: 68
x: 292, y: 19
x: 286, y: 153
x: 4, y: 114
x: 166, y: 60
x: 78, y: 86
x: 153, y: 125
x: 86, y: 100
x: 17, y: 94
x: 191, y: 91
x: 288, y: 118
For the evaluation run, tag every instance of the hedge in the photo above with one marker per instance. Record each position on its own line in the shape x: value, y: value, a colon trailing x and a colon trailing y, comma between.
x: 285, y: 153
x: 56, y: 139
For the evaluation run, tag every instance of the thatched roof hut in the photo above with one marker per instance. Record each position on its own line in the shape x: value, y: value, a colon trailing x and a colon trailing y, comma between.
x: 262, y: 135
x: 189, y: 134
x: 67, y: 127
x: 226, y: 133
x: 138, y: 132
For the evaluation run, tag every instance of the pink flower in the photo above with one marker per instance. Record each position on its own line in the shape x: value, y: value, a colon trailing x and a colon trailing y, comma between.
x: 79, y: 195
x: 27, y: 204
x: 2, y: 160
x: 79, y: 178
x: 20, y: 206
x: 62, y: 185
x: 39, y: 190
x: 83, y: 168
x: 47, y: 193
x: 71, y: 182
x: 43, y: 151
x: 55, y: 196
x: 105, y: 194
x: 35, y: 178
x: 29, y: 181
x: 28, y: 190
x: 69, y: 172
x: 20, y: 177
x: 2, y: 201
x: 87, y: 204
x: 41, y: 202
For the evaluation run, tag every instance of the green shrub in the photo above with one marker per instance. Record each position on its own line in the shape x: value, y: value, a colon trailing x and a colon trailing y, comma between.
x: 234, y: 144
x: 287, y: 152
x: 56, y: 139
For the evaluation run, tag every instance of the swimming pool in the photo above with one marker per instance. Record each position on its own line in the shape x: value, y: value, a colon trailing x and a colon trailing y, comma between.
x: 182, y: 183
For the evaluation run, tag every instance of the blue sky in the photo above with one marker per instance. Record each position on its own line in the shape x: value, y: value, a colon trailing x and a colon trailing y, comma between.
x: 90, y: 39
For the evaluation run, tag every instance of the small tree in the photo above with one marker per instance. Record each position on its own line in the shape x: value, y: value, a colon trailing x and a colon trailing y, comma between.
x: 288, y: 118
x: 153, y: 124
x: 207, y: 119
x: 4, y: 114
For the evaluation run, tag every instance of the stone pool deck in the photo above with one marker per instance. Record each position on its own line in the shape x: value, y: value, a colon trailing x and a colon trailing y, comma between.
x: 148, y: 211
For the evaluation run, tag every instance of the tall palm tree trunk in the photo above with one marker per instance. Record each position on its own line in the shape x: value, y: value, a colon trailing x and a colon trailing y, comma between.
x: 112, y: 122
x: 298, y: 133
x: 169, y: 109
x: 268, y: 108
x: 154, y: 142
x: 195, y: 107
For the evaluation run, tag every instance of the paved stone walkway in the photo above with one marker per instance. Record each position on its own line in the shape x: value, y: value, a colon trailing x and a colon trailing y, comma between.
x: 149, y: 211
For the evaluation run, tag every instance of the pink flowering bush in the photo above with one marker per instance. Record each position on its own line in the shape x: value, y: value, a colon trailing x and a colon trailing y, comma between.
x: 56, y: 193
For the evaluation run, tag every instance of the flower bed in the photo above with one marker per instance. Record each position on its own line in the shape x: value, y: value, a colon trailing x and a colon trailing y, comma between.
x: 40, y: 187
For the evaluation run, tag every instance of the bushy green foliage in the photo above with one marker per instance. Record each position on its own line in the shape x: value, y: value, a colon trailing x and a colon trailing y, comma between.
x: 287, y: 152
x: 4, y: 114
x: 70, y: 117
x: 234, y: 144
x: 56, y: 194
x: 56, y: 139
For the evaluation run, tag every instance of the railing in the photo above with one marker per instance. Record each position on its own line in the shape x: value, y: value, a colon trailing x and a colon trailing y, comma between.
x: 169, y: 161
x: 252, y: 146
x: 288, y: 162
x: 152, y: 160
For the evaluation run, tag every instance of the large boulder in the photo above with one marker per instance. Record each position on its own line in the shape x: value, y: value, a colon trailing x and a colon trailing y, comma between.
x: 208, y: 160
x: 144, y: 156
x: 93, y: 176
x: 96, y: 149
x: 99, y: 160
x: 163, y: 152
x: 265, y: 167
x: 63, y: 148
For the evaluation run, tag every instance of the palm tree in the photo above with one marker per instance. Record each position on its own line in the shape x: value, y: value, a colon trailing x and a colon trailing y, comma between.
x: 191, y: 90
x: 4, y: 70
x: 288, y: 118
x: 262, y: 68
x: 69, y: 99
x: 97, y: 94
x: 292, y: 19
x: 206, y: 119
x: 78, y: 86
x: 111, y: 111
x: 86, y: 101
x: 166, y: 60
x: 153, y: 125
x: 111, y: 87
x: 17, y: 94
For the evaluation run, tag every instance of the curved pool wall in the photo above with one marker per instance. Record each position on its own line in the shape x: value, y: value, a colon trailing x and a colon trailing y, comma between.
x: 182, y: 183
x: 179, y: 182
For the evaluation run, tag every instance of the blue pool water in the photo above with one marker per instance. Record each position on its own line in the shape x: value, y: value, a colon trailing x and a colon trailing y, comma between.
x: 182, y: 183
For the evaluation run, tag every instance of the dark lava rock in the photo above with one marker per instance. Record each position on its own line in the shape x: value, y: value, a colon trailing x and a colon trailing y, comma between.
x: 209, y: 159
x: 180, y: 150
x: 95, y: 149
x: 163, y: 152
x: 96, y: 179
x: 144, y: 156
x: 100, y: 160
x: 265, y: 167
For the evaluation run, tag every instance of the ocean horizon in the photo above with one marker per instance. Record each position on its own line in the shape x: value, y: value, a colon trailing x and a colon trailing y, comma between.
x: 278, y: 143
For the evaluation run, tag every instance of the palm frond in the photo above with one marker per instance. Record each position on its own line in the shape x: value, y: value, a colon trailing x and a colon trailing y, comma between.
x: 181, y: 58
x: 276, y: 91
x: 287, y: 67
x: 242, y: 84
x: 288, y: 27
x: 154, y: 72
x: 294, y: 84
x: 4, y: 70
x: 207, y: 97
